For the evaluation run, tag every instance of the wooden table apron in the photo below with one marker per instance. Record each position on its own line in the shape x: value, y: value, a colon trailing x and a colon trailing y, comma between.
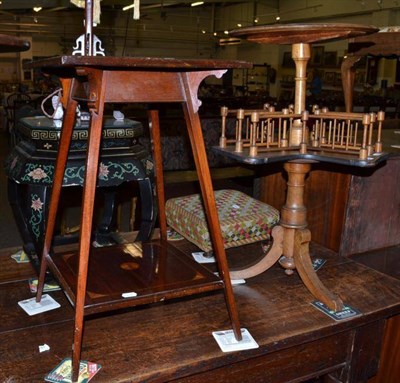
x: 97, y: 82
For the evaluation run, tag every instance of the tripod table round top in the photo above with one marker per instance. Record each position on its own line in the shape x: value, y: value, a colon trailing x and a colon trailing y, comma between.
x: 302, y: 33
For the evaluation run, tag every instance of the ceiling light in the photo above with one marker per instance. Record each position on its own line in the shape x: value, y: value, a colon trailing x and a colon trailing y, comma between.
x: 128, y: 7
x: 203, y: 31
x: 37, y: 9
x: 197, y: 3
x: 256, y: 20
x: 215, y: 33
x: 239, y: 25
x: 277, y: 18
x: 226, y: 32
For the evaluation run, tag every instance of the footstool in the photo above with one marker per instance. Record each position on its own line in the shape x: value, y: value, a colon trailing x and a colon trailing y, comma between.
x: 243, y: 219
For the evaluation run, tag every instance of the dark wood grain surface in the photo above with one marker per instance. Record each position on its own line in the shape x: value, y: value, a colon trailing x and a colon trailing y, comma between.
x: 379, y: 44
x: 153, y: 271
x: 133, y: 63
x: 13, y: 271
x: 302, y: 33
x: 13, y: 44
x: 372, y: 211
x: 172, y: 341
x: 386, y: 261
x: 389, y: 369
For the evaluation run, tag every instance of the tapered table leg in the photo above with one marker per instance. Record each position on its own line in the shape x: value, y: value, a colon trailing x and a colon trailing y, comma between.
x: 158, y: 171
x: 199, y: 153
x: 61, y: 161
x: 348, y: 77
x: 89, y: 191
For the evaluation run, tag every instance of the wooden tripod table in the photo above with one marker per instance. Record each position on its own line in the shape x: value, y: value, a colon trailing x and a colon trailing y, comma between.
x: 152, y: 271
x: 299, y: 150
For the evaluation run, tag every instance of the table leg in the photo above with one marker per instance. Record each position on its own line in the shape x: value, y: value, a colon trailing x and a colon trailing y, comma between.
x: 348, y: 77
x: 266, y: 261
x: 307, y: 273
x: 158, y: 170
x: 199, y: 153
x: 103, y: 231
x: 147, y: 211
x: 61, y: 161
x: 89, y: 191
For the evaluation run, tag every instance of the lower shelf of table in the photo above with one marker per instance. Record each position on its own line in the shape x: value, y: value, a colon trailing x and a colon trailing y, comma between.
x: 148, y: 272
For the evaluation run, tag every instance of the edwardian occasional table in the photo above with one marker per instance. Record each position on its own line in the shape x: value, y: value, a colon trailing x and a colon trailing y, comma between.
x: 299, y: 138
x: 153, y: 271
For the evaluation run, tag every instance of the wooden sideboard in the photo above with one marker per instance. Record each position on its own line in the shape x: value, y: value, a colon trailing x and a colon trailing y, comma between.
x: 172, y: 341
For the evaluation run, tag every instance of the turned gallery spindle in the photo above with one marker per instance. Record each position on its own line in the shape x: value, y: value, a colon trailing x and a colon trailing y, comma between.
x: 222, y: 140
x: 378, y: 143
x: 239, y: 127
x: 304, y: 138
x: 370, y: 148
x: 255, y: 118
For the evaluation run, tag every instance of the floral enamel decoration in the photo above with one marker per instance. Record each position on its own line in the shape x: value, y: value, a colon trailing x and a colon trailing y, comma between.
x: 37, y: 174
x: 103, y: 171
x: 37, y: 204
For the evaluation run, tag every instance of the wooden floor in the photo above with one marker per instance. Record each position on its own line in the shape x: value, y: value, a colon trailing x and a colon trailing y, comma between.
x: 172, y: 341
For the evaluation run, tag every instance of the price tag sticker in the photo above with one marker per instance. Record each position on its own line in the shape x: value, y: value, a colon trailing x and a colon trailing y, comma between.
x: 227, y: 342
x: 346, y: 313
x: 202, y: 257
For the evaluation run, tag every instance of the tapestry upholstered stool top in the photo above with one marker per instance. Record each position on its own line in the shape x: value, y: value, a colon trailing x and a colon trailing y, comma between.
x: 243, y: 219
